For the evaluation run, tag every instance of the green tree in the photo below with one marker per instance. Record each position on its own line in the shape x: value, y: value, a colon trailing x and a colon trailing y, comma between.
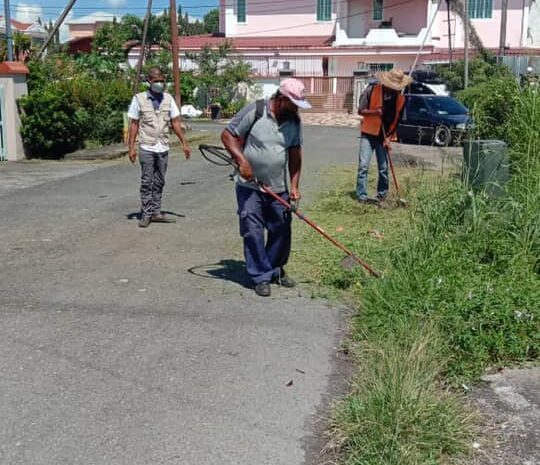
x: 109, y: 41
x: 211, y: 21
x: 187, y: 27
x: 218, y: 73
x: 132, y: 27
x: 22, y: 47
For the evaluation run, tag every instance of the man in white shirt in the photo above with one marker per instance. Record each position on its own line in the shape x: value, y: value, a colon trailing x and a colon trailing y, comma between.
x: 151, y: 114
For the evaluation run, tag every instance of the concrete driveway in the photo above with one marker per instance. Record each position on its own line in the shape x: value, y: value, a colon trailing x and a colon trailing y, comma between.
x: 128, y: 346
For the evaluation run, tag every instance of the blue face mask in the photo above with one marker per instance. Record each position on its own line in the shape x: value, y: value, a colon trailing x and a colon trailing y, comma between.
x: 157, y: 87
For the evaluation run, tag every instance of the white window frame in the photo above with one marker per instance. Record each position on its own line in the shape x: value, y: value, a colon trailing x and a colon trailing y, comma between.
x: 376, y: 67
x: 326, y: 7
x: 480, y: 9
x: 238, y: 12
x: 378, y: 8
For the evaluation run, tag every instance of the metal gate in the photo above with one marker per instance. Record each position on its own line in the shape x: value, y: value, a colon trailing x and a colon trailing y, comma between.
x: 329, y: 94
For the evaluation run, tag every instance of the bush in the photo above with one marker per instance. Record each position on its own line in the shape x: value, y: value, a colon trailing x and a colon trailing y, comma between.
x: 52, y: 124
x: 469, y: 265
x: 231, y: 107
x: 69, y: 88
x: 105, y: 102
x: 52, y: 69
x: 481, y: 70
x: 492, y: 106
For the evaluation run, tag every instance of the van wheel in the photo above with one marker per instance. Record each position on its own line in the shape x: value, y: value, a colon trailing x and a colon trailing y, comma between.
x: 442, y: 136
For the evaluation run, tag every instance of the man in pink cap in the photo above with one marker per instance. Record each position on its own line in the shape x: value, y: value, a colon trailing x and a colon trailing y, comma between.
x: 265, y: 140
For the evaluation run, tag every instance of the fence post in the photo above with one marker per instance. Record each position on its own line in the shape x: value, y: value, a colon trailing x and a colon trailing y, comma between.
x: 334, y: 85
x: 360, y: 82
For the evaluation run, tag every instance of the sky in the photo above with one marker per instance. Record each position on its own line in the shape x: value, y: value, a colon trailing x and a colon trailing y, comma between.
x: 50, y: 9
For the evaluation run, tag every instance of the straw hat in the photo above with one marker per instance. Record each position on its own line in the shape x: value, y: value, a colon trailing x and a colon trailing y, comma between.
x: 395, y: 79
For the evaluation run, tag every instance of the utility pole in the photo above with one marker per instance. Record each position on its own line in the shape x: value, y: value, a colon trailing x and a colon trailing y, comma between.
x: 449, y: 33
x: 502, y: 39
x: 143, y: 46
x: 466, y: 46
x: 56, y: 27
x: 174, y: 50
x: 9, y: 35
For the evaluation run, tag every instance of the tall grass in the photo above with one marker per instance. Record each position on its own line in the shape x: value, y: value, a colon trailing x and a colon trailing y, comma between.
x: 471, y: 263
x: 461, y: 294
x: 397, y: 413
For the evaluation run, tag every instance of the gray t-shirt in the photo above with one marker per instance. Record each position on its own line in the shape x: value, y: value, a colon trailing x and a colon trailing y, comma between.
x: 267, y: 145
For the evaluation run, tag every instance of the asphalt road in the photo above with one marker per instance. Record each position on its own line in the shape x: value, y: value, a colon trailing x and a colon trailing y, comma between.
x: 128, y: 346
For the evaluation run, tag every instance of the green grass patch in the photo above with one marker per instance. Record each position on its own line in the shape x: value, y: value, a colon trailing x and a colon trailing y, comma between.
x: 397, y: 412
x: 460, y: 295
x: 366, y: 230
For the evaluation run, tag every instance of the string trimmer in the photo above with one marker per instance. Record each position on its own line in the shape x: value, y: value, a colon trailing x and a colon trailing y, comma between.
x: 219, y: 156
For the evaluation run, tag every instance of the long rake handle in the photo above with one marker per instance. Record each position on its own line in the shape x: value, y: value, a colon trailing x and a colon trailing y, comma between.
x: 394, y: 177
x: 219, y: 153
x: 321, y: 231
x: 390, y: 162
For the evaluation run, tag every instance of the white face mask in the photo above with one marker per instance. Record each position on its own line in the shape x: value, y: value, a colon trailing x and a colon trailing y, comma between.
x: 157, y: 87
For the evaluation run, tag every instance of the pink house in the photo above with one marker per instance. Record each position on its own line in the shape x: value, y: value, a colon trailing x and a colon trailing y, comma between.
x: 88, y: 25
x: 325, y: 41
x: 335, y: 37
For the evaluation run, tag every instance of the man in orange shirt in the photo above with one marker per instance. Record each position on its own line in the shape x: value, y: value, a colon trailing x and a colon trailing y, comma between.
x: 380, y: 106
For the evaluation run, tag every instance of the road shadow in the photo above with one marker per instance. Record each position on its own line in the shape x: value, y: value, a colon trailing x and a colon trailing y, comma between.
x: 137, y: 215
x: 226, y: 270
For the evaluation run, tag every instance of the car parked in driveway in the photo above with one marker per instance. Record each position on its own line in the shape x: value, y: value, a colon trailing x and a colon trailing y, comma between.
x: 434, y: 119
x: 416, y: 87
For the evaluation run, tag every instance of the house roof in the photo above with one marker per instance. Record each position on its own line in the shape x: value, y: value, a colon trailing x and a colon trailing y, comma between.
x: 256, y: 43
x: 13, y: 67
x: 442, y: 53
x: 80, y: 44
x: 18, y: 25
x: 97, y: 17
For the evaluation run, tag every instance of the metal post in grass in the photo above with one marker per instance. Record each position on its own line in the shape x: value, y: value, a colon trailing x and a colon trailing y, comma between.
x: 9, y: 35
x: 466, y: 46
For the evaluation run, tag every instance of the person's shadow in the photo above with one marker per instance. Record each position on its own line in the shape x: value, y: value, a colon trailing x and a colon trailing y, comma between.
x: 137, y: 215
x: 227, y: 270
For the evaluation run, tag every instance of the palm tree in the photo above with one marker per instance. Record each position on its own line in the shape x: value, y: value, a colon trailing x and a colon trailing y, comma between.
x: 458, y: 8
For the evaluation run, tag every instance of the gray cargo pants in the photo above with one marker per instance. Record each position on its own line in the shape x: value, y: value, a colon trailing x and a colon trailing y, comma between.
x: 153, y: 169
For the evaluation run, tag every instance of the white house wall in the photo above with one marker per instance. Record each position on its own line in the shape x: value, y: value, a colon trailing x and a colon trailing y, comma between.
x: 488, y: 28
x: 533, y: 31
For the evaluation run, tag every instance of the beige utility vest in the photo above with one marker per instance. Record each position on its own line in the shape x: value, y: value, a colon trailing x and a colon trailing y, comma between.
x: 154, y: 124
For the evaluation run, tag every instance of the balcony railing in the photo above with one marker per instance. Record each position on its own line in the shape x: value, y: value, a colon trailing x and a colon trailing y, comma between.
x: 382, y: 37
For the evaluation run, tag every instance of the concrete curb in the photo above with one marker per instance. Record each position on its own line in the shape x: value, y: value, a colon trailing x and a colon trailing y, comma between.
x: 108, y: 152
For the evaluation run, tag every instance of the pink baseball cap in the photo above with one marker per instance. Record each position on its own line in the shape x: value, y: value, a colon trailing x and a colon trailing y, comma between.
x: 294, y: 89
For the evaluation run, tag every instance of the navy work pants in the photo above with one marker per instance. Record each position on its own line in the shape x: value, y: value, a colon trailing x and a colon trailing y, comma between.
x: 265, y: 226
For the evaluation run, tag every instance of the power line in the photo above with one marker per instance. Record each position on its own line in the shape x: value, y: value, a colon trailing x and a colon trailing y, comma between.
x: 297, y: 26
x: 106, y: 8
x: 303, y: 4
